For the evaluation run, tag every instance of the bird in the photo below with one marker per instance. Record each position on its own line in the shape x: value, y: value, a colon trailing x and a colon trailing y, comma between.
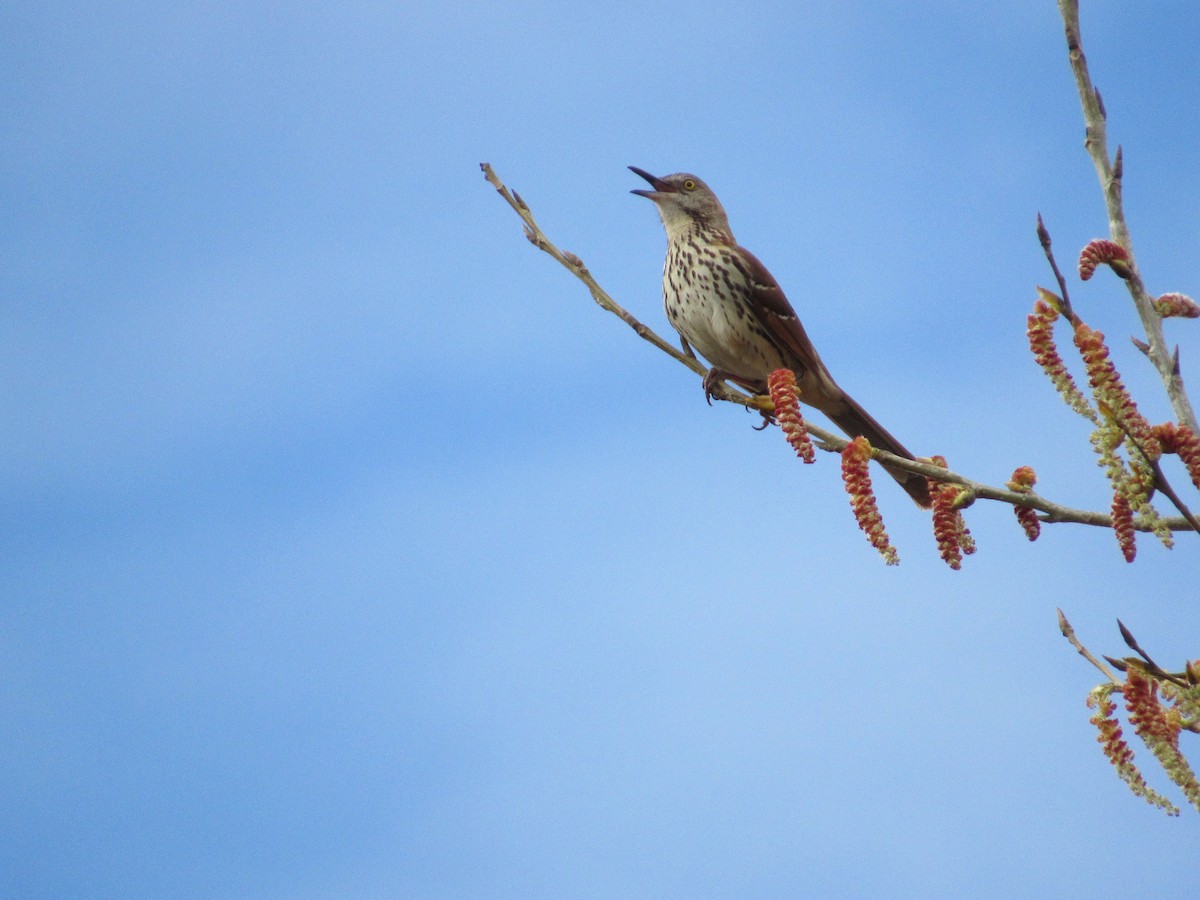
x: 727, y: 306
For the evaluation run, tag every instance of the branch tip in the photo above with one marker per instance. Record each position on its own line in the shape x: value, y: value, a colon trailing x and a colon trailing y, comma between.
x: 1127, y: 636
x: 1042, y: 233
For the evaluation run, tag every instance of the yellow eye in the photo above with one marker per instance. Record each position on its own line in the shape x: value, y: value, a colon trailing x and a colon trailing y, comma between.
x: 689, y: 185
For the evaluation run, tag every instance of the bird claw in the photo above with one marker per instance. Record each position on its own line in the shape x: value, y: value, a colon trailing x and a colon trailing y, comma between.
x: 712, y: 378
x: 767, y: 420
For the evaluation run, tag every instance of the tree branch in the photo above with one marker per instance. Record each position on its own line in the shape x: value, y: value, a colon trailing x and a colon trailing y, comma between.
x: 1110, y: 173
x: 1069, y: 633
x: 828, y: 441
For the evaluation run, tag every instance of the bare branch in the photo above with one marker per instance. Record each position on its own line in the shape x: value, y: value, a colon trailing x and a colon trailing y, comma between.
x: 575, y: 266
x: 1069, y: 633
x: 1151, y: 666
x: 1110, y: 174
x: 827, y: 440
x: 1064, y: 296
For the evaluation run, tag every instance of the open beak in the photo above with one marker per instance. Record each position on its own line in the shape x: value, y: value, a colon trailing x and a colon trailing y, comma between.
x: 660, y: 186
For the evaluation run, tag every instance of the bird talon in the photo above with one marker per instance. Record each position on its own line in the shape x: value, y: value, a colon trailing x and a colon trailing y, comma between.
x: 767, y: 420
x: 712, y: 378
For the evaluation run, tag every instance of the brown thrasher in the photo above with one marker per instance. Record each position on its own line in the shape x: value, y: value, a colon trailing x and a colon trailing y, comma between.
x: 727, y: 306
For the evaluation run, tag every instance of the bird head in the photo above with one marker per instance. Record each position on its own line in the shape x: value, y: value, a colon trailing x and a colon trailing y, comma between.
x: 684, y: 200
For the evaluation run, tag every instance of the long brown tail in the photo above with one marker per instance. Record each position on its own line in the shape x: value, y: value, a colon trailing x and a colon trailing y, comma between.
x: 855, y: 421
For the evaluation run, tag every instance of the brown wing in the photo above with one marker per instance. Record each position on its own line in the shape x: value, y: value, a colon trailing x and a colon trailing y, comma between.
x: 776, y: 315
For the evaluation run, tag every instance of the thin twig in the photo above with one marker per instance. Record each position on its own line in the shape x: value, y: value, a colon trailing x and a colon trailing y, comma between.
x: 1165, y: 488
x: 1151, y: 666
x: 1161, y: 484
x: 1065, y: 306
x: 575, y: 266
x: 1069, y: 633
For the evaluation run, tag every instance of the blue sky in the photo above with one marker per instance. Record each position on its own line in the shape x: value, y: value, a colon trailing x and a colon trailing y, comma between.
x: 350, y: 550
